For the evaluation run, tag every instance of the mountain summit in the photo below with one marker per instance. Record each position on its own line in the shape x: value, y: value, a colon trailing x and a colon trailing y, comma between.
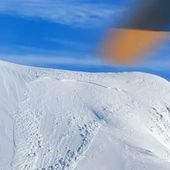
x: 62, y: 120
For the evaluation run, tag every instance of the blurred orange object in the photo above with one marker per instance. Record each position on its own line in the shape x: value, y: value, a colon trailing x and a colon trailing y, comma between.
x: 125, y: 46
x: 142, y: 30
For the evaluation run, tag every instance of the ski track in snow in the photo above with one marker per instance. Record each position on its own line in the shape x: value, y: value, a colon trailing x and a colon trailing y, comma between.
x: 60, y: 120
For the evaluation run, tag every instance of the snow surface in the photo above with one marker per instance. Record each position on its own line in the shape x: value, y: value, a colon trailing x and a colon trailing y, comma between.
x: 61, y: 120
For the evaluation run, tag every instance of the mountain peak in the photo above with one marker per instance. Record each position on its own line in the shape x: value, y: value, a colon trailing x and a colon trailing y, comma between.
x: 65, y: 120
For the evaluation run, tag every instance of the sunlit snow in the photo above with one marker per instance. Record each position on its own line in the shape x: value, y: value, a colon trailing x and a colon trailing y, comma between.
x: 61, y: 120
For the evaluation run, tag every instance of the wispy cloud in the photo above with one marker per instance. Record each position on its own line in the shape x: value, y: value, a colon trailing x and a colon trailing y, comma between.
x: 71, y: 44
x: 52, y: 60
x: 158, y: 64
x: 65, y: 12
x: 161, y: 65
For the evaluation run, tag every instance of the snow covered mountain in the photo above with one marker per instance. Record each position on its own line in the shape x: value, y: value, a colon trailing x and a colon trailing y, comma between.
x: 61, y: 120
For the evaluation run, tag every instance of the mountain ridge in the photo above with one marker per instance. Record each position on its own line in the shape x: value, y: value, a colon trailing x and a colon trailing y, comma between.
x: 64, y: 120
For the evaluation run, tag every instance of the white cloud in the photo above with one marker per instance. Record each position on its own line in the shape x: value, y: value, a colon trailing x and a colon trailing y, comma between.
x: 158, y: 64
x: 51, y: 60
x: 154, y: 64
x: 65, y: 12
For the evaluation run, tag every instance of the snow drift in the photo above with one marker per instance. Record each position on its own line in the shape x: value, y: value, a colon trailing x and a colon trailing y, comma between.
x: 60, y: 120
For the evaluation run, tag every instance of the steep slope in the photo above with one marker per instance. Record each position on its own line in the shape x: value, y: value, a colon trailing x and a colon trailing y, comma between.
x: 60, y: 120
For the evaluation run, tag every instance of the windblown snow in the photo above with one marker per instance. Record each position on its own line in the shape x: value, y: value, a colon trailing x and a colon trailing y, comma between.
x: 61, y: 120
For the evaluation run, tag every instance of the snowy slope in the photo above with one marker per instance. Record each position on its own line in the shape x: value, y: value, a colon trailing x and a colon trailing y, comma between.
x: 60, y: 120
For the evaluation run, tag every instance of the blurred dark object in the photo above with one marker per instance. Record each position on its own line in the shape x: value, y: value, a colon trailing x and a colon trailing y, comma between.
x: 154, y: 15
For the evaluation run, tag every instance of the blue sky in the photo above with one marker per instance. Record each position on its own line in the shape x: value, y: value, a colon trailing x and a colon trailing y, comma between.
x: 66, y: 34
